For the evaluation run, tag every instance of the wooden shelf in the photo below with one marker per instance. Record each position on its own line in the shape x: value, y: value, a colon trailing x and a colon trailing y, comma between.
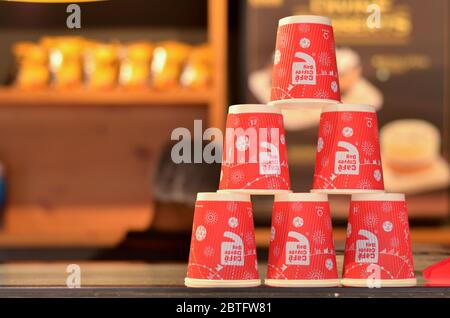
x: 99, y: 226
x: 12, y: 97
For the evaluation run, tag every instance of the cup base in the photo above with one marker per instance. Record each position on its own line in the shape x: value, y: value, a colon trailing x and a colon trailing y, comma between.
x: 302, y: 283
x: 350, y: 282
x: 345, y: 191
x: 255, y: 191
x: 298, y: 103
x: 211, y: 283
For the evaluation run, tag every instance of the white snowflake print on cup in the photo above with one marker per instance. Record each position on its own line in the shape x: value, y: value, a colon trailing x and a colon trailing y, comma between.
x: 377, y: 175
x: 297, y: 206
x: 232, y: 206
x: 211, y: 218
x: 242, y: 143
x: 277, y: 57
x: 237, y: 176
x: 349, y: 230
x: 329, y: 264
x: 320, y: 144
x: 324, y: 59
x: 276, y: 251
x: 319, y: 211
x: 305, y: 43
x: 386, y: 207
x: 387, y: 226
x: 334, y: 86
x: 346, y: 116
x: 297, y: 222
x: 347, y: 132
x: 282, y: 139
x: 200, y: 233
x: 272, y: 233
x: 233, y: 222
x: 209, y: 251
x: 327, y: 128
x: 367, y: 148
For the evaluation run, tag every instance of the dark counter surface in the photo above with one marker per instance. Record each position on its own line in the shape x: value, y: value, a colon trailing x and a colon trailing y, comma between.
x: 131, y: 279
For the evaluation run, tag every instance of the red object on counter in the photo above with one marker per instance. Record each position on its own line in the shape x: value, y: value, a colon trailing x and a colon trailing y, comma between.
x: 438, y: 274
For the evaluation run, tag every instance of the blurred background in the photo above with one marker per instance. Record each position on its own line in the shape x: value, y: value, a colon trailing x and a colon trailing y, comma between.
x: 86, y: 116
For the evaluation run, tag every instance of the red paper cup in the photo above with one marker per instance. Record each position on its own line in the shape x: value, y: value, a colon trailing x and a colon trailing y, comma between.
x: 223, y: 247
x: 301, y: 252
x: 305, y: 71
x: 378, y: 248
x: 255, y: 156
x: 348, y: 152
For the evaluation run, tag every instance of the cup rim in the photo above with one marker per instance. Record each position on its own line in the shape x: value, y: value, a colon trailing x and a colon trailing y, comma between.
x: 301, y: 197
x: 349, y: 108
x: 223, y: 196
x: 303, y: 103
x: 378, y: 197
x: 252, y: 108
x: 304, y: 19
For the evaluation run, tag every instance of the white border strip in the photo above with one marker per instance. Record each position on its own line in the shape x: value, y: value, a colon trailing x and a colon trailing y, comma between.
x: 407, y: 282
x: 222, y: 196
x: 304, y: 19
x: 211, y: 283
x: 345, y: 191
x: 302, y: 283
x: 252, y: 108
x: 254, y: 191
x: 379, y: 197
x: 349, y: 108
x: 301, y: 197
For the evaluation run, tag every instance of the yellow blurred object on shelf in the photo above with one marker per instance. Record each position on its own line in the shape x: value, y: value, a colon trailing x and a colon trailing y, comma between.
x: 101, y: 65
x: 168, y: 61
x: 32, y: 65
x: 65, y: 60
x: 197, y: 72
x: 68, y: 62
x: 135, y: 64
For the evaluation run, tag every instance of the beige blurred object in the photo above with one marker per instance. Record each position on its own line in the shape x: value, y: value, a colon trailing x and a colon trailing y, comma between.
x: 411, y: 157
x: 355, y: 89
x: 101, y: 65
x: 135, y: 64
x: 65, y: 60
x: 259, y: 83
x: 32, y: 67
x: 197, y: 73
x: 168, y: 60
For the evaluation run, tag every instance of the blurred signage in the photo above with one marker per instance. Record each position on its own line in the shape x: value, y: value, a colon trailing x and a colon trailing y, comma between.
x: 350, y: 20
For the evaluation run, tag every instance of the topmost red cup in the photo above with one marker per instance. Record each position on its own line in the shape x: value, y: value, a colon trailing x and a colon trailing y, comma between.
x: 305, y: 71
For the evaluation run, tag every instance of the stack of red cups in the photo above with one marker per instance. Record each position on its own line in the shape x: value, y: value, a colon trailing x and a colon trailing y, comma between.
x: 301, y: 253
x: 223, y: 248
